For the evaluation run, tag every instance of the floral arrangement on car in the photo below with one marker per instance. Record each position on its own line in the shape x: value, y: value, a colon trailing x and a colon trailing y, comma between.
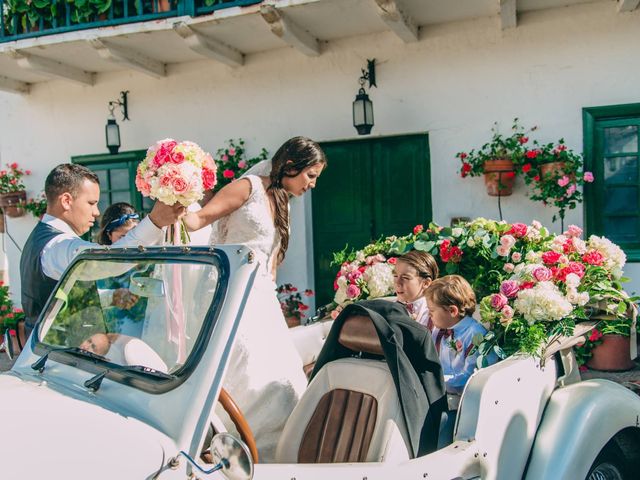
x: 553, y: 172
x: 37, y: 206
x: 232, y: 161
x: 176, y: 172
x: 293, y: 308
x: 532, y: 285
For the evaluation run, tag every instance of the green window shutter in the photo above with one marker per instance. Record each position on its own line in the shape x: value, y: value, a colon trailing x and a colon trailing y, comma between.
x: 117, y: 174
x: 612, y: 152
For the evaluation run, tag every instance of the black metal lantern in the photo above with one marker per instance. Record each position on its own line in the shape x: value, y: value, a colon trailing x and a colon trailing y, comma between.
x: 111, y: 129
x: 362, y: 105
x: 362, y: 113
x: 112, y: 134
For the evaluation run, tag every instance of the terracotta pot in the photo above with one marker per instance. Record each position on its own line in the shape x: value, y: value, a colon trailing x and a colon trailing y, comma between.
x: 612, y: 355
x: 10, y: 203
x: 553, y: 168
x: 1, y: 221
x: 499, y: 177
x: 292, y: 321
x: 162, y: 5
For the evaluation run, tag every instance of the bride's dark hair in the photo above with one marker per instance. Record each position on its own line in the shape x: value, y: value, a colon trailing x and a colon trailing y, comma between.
x: 290, y: 160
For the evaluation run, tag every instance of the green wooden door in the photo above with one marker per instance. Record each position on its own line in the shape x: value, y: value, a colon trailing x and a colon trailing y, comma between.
x: 372, y: 188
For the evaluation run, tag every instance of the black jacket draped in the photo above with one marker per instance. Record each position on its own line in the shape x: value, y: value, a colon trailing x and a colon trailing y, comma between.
x: 413, y: 362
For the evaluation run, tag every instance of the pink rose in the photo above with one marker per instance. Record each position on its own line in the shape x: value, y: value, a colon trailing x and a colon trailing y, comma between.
x: 177, y: 158
x: 459, y: 346
x: 588, y: 177
x: 507, y: 311
x: 510, y: 288
x: 180, y: 185
x: 208, y: 178
x: 564, y: 181
x: 503, y: 251
x: 208, y: 162
x: 228, y: 173
x: 550, y: 257
x: 353, y: 291
x: 143, y: 187
x: 573, y: 231
x: 516, y: 256
x: 232, y: 151
x: 161, y: 157
x: 498, y: 301
x: 167, y: 179
x: 542, y: 274
x: 392, y: 260
x: 509, y: 267
x: 225, y: 158
x: 518, y: 230
x: 571, y: 189
x: 242, y: 164
x: 507, y: 241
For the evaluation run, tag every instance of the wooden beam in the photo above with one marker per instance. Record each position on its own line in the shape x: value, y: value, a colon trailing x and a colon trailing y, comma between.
x: 290, y: 32
x: 209, y: 47
x: 508, y: 14
x: 51, y: 67
x: 392, y: 13
x: 129, y: 58
x: 13, y: 86
x: 627, y: 5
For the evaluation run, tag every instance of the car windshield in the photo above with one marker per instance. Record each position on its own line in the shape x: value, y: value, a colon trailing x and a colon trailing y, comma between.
x: 147, y: 313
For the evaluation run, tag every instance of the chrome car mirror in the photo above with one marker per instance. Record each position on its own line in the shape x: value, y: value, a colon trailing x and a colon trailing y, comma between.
x: 231, y: 457
x: 146, y: 286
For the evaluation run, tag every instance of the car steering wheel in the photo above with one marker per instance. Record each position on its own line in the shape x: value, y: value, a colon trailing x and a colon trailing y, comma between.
x: 237, y: 417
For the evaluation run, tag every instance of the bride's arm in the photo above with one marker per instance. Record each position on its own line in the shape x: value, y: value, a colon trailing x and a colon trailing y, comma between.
x: 226, y: 201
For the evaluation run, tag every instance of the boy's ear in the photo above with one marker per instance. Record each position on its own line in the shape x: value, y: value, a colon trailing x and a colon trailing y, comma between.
x: 454, y: 310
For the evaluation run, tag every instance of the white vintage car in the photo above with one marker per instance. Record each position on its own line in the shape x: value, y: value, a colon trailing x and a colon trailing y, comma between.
x: 146, y: 409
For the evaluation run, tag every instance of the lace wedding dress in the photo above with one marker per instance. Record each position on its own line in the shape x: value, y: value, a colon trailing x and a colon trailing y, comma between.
x: 265, y: 375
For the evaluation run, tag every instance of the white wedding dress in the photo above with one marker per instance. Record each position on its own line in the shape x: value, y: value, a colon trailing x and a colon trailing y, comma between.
x: 265, y: 375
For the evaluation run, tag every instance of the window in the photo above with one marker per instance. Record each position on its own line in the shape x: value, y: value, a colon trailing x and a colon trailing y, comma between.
x: 612, y: 205
x: 117, y: 174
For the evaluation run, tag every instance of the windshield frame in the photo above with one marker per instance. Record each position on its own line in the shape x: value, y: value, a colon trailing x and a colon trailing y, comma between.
x: 141, y: 380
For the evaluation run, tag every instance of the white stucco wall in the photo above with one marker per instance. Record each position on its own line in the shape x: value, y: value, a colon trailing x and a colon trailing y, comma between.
x: 454, y: 83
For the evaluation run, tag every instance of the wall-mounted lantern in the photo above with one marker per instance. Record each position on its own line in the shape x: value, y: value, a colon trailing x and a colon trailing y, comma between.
x: 111, y: 129
x: 362, y: 106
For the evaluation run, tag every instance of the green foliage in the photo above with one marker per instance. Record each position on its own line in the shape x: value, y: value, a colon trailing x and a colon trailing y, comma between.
x: 232, y: 162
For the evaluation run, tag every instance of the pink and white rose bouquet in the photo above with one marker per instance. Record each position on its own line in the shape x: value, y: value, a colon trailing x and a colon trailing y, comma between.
x: 176, y: 172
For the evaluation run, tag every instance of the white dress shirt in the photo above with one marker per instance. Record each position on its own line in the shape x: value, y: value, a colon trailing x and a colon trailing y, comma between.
x: 60, y: 251
x: 454, y: 346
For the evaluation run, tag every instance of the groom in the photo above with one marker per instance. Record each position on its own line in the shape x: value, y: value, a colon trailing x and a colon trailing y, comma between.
x: 73, y: 192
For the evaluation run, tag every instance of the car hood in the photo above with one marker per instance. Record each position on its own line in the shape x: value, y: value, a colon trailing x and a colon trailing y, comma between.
x: 47, y: 434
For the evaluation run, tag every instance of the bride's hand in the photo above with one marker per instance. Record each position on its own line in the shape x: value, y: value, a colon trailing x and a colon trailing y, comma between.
x: 192, y: 221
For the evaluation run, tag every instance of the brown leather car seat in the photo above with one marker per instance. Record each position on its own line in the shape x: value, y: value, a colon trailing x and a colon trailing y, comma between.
x: 350, y: 412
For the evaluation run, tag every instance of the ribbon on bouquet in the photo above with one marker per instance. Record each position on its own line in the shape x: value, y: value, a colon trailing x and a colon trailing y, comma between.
x: 175, y: 317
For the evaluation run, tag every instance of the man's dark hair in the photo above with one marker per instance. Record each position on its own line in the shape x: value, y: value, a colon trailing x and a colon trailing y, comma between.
x: 67, y: 177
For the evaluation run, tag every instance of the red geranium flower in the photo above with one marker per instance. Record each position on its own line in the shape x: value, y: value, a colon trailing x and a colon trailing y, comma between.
x: 417, y: 229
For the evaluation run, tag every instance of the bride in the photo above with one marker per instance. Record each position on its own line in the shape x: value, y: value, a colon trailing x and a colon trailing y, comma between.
x: 254, y: 211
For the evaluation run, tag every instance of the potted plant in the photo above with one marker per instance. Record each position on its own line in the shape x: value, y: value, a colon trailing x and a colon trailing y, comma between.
x: 12, y: 190
x: 291, y: 303
x: 554, y: 174
x: 497, y: 159
x: 232, y: 161
x: 9, y: 318
x: 36, y: 206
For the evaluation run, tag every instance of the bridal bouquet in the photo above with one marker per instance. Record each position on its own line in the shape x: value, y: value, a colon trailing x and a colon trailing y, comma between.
x: 176, y: 172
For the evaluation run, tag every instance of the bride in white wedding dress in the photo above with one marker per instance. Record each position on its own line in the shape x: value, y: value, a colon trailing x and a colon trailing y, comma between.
x: 265, y: 375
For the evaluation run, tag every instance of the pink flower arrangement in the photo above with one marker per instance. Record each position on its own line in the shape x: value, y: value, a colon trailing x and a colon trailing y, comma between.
x: 176, y: 172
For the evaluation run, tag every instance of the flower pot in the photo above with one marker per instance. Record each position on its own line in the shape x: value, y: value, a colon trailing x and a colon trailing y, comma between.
x: 553, y: 169
x: 612, y: 355
x: 161, y: 5
x: 2, y: 222
x: 11, y: 203
x: 292, y: 321
x: 499, y: 177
